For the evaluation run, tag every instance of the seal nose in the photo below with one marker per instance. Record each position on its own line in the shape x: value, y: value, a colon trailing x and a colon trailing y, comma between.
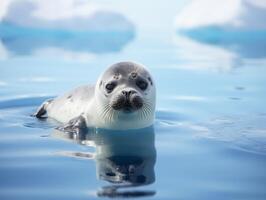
x: 133, y: 100
x: 127, y: 94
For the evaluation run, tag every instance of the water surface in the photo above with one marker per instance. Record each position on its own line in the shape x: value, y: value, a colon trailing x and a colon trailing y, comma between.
x: 209, y: 136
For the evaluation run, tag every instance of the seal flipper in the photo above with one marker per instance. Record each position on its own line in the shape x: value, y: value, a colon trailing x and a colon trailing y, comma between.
x: 41, y: 111
x: 75, y: 125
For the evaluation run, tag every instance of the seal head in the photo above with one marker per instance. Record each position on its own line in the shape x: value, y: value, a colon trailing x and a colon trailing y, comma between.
x: 125, y: 96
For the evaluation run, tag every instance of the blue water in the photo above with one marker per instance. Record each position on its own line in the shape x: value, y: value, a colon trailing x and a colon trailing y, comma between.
x: 208, y: 139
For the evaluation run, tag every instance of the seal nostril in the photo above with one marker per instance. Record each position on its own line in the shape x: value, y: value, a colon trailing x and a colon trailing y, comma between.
x: 126, y: 94
x: 131, y: 92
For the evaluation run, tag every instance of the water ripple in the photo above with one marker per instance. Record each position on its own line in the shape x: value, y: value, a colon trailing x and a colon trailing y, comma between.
x: 246, y: 133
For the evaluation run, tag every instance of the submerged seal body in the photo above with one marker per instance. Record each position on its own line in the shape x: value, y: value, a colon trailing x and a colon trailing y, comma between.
x: 123, y: 98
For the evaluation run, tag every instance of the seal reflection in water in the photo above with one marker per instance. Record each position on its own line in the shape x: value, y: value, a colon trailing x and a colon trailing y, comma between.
x: 126, y: 159
x: 123, y: 98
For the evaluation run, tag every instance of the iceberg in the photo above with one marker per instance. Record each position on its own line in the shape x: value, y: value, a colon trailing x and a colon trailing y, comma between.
x: 72, y: 15
x: 32, y: 26
x: 235, y: 15
x: 236, y: 25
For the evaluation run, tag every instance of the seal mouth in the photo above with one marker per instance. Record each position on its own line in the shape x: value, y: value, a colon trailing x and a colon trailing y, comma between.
x: 127, y: 109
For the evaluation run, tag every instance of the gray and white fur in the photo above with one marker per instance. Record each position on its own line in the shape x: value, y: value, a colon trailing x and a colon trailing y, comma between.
x: 124, y: 97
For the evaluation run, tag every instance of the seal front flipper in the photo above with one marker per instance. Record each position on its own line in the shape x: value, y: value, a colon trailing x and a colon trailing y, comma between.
x: 41, y: 111
x: 75, y: 125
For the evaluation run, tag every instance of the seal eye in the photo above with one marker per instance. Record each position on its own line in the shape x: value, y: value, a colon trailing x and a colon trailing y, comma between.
x: 110, y: 87
x: 142, y: 84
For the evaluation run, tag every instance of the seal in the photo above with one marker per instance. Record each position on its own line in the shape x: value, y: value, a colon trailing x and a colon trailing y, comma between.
x: 123, y: 97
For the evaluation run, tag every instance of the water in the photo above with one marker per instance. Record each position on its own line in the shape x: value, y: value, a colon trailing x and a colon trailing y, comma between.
x: 209, y: 136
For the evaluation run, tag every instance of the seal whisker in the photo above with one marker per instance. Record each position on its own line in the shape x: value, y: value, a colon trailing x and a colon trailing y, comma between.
x: 105, y: 113
x: 104, y: 110
x: 147, y: 106
x: 149, y: 110
x: 111, y: 115
x: 147, y: 102
x: 143, y: 114
x: 147, y: 113
x: 114, y: 112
